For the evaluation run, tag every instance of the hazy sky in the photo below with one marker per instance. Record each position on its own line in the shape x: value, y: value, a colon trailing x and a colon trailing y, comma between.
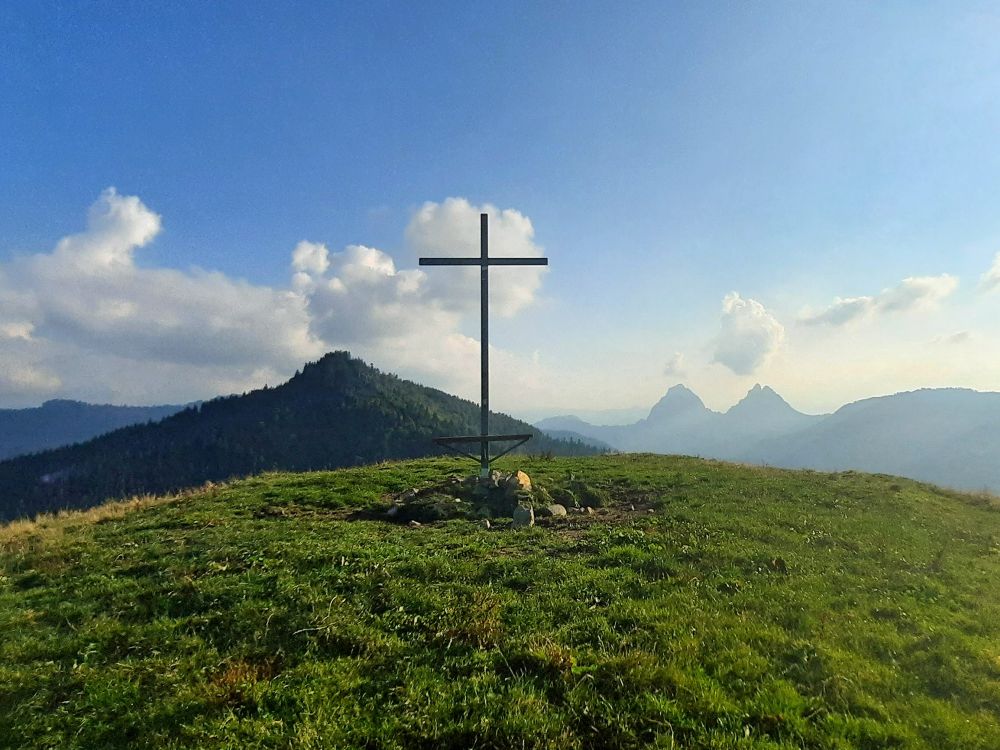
x: 196, y: 198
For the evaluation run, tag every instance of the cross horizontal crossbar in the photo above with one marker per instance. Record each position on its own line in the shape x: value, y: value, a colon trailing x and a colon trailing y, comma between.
x: 484, y: 261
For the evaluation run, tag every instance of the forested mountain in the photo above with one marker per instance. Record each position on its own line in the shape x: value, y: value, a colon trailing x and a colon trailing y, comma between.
x: 62, y: 422
x: 336, y: 412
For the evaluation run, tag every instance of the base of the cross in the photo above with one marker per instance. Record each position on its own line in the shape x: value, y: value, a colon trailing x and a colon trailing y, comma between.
x: 484, y: 458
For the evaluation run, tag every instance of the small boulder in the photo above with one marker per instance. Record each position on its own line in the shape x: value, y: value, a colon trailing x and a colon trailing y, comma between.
x: 556, y: 510
x: 393, y: 511
x: 486, y: 523
x: 415, y: 524
x: 523, y: 480
x: 523, y: 516
x: 517, y: 482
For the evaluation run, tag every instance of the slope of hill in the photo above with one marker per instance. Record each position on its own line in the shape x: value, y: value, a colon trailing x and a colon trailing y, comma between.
x: 61, y: 422
x: 703, y: 606
x: 950, y: 436
x: 336, y: 412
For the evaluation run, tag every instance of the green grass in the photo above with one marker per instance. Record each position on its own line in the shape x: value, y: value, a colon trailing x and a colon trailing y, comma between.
x: 735, y: 607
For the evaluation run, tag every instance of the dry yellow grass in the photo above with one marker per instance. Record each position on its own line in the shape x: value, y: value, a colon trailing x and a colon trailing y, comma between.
x: 26, y: 534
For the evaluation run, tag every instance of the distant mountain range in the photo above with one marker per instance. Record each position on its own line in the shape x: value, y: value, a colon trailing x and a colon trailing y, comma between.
x: 61, y: 422
x: 337, y: 412
x: 949, y: 436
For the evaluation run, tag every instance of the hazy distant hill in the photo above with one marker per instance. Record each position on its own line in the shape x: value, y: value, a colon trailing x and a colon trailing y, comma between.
x: 61, y: 422
x: 576, y: 436
x: 336, y: 412
x: 948, y: 436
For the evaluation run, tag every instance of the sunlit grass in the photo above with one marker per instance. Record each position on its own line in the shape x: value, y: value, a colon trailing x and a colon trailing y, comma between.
x: 706, y: 606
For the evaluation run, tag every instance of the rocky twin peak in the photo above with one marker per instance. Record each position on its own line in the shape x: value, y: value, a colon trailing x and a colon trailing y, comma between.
x: 764, y: 412
x: 681, y: 423
x: 677, y: 402
x: 760, y: 399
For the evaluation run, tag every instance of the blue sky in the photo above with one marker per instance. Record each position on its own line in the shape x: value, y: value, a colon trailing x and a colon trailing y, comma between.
x: 666, y: 155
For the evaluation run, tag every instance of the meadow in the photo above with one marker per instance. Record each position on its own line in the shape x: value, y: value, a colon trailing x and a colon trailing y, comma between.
x: 700, y: 605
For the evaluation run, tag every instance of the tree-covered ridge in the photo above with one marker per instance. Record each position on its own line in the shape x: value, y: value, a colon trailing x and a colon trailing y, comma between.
x: 337, y: 412
x: 61, y: 422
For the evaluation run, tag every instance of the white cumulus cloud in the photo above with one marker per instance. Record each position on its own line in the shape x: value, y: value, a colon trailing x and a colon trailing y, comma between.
x: 88, y: 299
x: 749, y: 335
x: 22, y: 376
x: 451, y: 229
x: 84, y: 320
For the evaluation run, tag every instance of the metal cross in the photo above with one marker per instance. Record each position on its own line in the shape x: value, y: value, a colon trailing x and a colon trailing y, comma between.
x: 484, y: 261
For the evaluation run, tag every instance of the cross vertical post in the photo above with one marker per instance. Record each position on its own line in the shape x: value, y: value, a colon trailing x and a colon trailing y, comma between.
x: 484, y: 261
x: 484, y: 343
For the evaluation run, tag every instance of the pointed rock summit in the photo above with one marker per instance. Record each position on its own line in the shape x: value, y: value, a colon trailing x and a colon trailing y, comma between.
x: 761, y: 399
x: 678, y: 401
x: 762, y: 411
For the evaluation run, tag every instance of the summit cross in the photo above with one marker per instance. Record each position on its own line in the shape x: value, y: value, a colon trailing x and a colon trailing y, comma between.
x: 484, y: 261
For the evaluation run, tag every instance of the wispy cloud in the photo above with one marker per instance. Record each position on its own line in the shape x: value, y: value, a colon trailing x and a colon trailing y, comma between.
x: 959, y: 337
x: 990, y: 280
x: 914, y: 292
x: 675, y: 365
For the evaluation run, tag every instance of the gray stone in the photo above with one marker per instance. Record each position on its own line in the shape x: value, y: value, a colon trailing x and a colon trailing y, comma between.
x: 486, y: 523
x: 556, y: 510
x: 393, y: 511
x: 489, y: 483
x: 523, y: 516
x: 410, y: 494
x: 415, y: 524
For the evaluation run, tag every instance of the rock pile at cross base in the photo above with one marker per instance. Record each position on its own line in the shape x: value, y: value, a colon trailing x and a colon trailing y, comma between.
x: 498, y: 496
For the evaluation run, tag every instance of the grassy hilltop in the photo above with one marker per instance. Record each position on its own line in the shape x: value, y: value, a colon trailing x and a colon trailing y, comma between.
x: 705, y: 605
